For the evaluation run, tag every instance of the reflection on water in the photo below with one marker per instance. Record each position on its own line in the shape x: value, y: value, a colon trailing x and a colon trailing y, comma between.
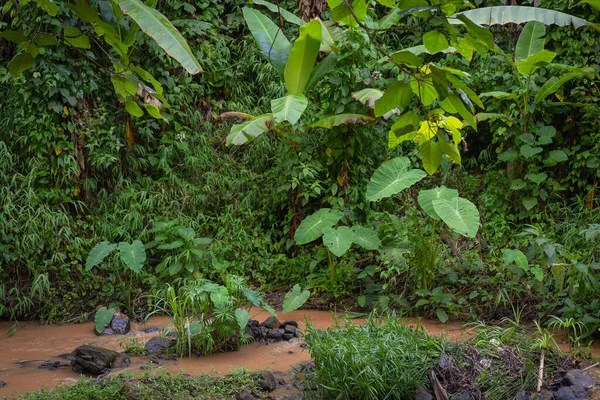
x: 33, y: 345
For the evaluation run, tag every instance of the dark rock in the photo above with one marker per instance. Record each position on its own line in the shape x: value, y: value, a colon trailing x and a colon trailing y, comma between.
x: 289, y: 322
x: 521, y: 395
x: 567, y: 393
x: 92, y: 359
x: 253, y: 323
x: 271, y: 323
x: 274, y: 334
x: 107, y: 332
x: 290, y: 329
x: 66, y: 356
x: 121, y: 361
x: 577, y: 377
x: 287, y: 336
x: 52, y: 365
x: 246, y: 394
x: 151, y: 330
x: 422, y: 394
x: 266, y: 381
x: 462, y: 396
x: 159, y: 344
x: 120, y: 323
x: 263, y: 331
x: 2, y: 384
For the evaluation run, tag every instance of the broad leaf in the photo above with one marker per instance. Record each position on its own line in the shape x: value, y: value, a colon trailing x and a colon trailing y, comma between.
x: 295, y: 299
x: 272, y: 42
x: 312, y: 226
x: 159, y: 28
x: 520, y: 14
x: 516, y: 256
x: 338, y: 240
x: 537, y: 178
x: 75, y: 38
x: 527, y: 151
x: 330, y: 35
x: 19, y: 64
x: 13, y: 36
x: 133, y: 109
x: 98, y: 254
x: 397, y: 95
x: 133, y: 255
x: 426, y: 198
x: 302, y: 57
x: 103, y: 317
x: 342, y: 119
x: 534, y: 61
x: 554, y: 83
x: 366, y: 238
x: 249, y: 130
x: 219, y: 296
x: 252, y: 296
x: 459, y: 214
x: 367, y: 96
x: 242, y: 317
x: 289, y: 108
x: 435, y: 42
x: 288, y: 16
x: 529, y: 202
x: 431, y: 156
x: 530, y: 41
x: 392, y: 177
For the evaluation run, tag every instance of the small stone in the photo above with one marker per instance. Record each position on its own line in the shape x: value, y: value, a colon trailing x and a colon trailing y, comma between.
x: 521, y: 395
x: 577, y: 377
x: 107, y: 332
x: 290, y: 329
x: 287, y: 336
x: 52, y: 365
x: 159, y: 344
x: 253, y: 323
x: 121, y: 361
x: 271, y: 323
x: 289, y: 322
x: 120, y: 324
x: 266, y: 381
x: 246, y: 394
x: 274, y: 334
x: 2, y: 384
x: 422, y: 394
x: 151, y: 330
x: 565, y: 393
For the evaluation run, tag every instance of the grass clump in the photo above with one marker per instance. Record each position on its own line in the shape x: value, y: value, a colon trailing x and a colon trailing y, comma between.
x: 382, y: 359
x: 153, y: 384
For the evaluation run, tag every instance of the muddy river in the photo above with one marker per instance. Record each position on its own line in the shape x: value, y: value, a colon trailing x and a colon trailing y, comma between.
x: 33, y: 345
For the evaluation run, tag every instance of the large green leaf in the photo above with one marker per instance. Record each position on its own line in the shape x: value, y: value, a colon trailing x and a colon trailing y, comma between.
x: 242, y: 317
x: 342, y: 119
x: 426, y: 198
x: 312, y: 226
x: 102, y: 318
x: 295, y: 299
x: 516, y: 256
x: 431, y: 156
x: 302, y: 57
x: 459, y: 214
x: 219, y: 296
x: 249, y: 130
x: 324, y: 66
x: 133, y: 255
x: 271, y: 41
x: 520, y: 14
x: 338, y: 240
x: 534, y: 61
x: 435, y: 42
x: 531, y: 40
x: 289, y: 108
x: 554, y: 83
x: 366, y: 238
x: 276, y: 8
x: 330, y: 35
x: 392, y: 177
x: 159, y: 28
x: 397, y: 95
x: 98, y: 254
x: 19, y: 64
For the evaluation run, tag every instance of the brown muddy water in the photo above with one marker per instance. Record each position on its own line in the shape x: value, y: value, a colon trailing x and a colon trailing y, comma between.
x: 33, y: 345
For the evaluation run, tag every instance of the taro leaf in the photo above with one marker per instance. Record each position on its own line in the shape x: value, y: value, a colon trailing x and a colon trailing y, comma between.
x: 103, y: 317
x: 527, y: 151
x: 98, y: 254
x: 302, y: 58
x: 342, y: 119
x: 269, y: 309
x: 252, y: 296
x: 442, y: 316
x: 295, y: 298
x: 289, y: 108
x: 426, y: 198
x: 435, y: 42
x: 338, y: 240
x: 312, y: 226
x: 159, y: 28
x: 459, y: 214
x: 133, y: 255
x: 249, y: 130
x: 242, y: 318
x: 272, y: 42
x: 516, y: 256
x: 529, y: 202
x: 392, y: 177
x: 366, y: 238
x: 219, y: 296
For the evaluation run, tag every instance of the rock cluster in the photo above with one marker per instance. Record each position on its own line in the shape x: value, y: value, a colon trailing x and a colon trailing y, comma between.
x: 97, y: 360
x: 271, y: 330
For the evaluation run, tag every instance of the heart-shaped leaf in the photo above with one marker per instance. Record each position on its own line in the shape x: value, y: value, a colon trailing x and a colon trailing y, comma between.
x: 338, y: 240
x: 426, y: 198
x: 295, y: 298
x: 392, y: 177
x: 312, y: 226
x: 459, y: 214
x: 133, y: 255
x: 98, y: 254
x: 366, y: 237
x: 242, y: 317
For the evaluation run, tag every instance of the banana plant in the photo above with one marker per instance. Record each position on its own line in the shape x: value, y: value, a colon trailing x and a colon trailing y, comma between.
x: 133, y: 85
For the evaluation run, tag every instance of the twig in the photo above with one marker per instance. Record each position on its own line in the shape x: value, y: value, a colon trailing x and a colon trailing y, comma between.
x: 591, y: 366
x: 541, y: 375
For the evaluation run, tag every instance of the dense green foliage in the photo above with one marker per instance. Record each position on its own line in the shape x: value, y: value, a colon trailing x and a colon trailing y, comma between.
x: 319, y: 108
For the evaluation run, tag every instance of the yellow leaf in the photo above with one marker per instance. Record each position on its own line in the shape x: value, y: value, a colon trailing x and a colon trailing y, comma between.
x: 340, y: 181
x: 427, y: 130
x: 76, y: 191
x: 66, y: 110
x: 452, y: 122
x: 58, y: 151
x: 329, y: 152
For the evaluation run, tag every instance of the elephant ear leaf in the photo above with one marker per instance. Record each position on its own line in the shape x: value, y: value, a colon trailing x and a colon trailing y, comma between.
x: 98, y: 254
x: 295, y: 298
x: 312, y: 226
x: 133, y: 255
x: 159, y: 28
x: 459, y: 214
x: 426, y: 198
x: 103, y: 317
x: 392, y: 177
x: 242, y: 317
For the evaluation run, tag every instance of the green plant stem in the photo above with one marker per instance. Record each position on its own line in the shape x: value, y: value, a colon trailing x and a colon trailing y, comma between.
x: 331, y: 271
